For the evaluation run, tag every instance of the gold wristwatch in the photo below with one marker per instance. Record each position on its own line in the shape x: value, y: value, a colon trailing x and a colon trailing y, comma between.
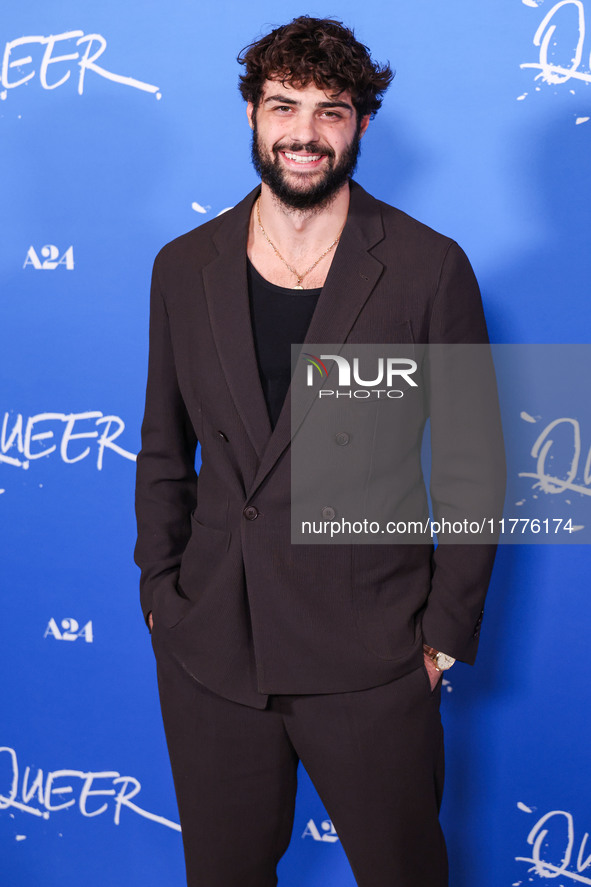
x: 441, y: 661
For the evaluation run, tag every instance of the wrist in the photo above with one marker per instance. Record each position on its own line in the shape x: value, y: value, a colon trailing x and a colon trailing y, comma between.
x: 441, y: 661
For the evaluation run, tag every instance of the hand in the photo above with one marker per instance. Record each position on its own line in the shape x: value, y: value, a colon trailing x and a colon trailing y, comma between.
x: 150, y: 621
x: 434, y: 675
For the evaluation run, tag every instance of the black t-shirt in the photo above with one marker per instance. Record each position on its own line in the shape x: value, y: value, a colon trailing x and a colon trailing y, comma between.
x: 280, y: 317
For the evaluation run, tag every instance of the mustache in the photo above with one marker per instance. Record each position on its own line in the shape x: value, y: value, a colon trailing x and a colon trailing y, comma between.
x: 309, y: 147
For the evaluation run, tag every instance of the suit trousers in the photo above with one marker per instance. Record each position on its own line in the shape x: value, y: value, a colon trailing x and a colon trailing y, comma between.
x: 375, y: 757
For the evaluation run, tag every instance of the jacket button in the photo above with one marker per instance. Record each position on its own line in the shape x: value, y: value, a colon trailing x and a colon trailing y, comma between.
x: 342, y: 438
x: 328, y: 512
x: 222, y: 435
x: 250, y: 512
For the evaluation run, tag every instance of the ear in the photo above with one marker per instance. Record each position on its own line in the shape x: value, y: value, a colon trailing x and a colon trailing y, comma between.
x: 250, y: 114
x: 364, y: 124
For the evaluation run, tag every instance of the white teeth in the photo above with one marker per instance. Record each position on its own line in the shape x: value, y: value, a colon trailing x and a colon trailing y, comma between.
x: 301, y: 159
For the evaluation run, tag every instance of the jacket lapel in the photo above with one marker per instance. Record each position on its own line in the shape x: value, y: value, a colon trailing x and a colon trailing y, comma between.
x: 353, y: 274
x: 226, y: 290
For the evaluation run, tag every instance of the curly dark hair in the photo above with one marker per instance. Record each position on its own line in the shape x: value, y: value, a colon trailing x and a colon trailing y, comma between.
x: 322, y: 51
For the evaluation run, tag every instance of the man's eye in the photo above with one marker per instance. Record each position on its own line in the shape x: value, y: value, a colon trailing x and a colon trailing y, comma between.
x: 332, y: 114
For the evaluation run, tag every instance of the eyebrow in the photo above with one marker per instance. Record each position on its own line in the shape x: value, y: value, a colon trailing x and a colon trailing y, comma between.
x: 287, y: 101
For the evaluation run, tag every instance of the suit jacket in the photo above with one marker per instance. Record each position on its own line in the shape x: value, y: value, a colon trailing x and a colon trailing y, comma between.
x: 246, y: 612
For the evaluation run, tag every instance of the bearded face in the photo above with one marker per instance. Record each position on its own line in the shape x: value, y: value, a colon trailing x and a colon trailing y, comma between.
x: 306, y: 148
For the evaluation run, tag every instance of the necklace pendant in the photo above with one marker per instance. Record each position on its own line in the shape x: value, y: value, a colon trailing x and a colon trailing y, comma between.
x: 298, y: 286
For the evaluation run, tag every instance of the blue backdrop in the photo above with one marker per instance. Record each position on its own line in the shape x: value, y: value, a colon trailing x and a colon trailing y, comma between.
x: 121, y: 127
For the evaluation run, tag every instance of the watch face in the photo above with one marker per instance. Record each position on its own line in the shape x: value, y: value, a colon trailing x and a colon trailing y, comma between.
x: 444, y: 661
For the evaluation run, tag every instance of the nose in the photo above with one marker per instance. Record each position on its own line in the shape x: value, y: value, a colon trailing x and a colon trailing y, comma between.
x: 305, y: 129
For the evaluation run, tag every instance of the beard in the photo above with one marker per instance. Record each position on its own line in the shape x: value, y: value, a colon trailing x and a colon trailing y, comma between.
x: 319, y: 193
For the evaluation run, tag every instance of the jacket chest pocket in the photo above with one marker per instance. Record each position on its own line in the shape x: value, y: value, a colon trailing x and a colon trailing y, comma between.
x: 372, y: 327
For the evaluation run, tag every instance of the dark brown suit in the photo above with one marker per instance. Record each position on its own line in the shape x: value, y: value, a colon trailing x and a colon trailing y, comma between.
x: 270, y: 653
x: 244, y: 611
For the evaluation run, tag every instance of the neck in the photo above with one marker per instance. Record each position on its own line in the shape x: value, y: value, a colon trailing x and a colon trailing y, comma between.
x: 303, y: 227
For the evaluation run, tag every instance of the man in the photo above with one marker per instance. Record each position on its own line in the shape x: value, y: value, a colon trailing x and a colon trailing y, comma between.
x: 268, y: 652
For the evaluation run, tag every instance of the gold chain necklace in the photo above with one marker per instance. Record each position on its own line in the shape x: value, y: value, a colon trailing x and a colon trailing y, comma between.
x: 299, y: 276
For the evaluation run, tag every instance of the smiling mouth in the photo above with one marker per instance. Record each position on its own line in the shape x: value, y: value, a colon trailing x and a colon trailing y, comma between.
x: 302, y: 159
